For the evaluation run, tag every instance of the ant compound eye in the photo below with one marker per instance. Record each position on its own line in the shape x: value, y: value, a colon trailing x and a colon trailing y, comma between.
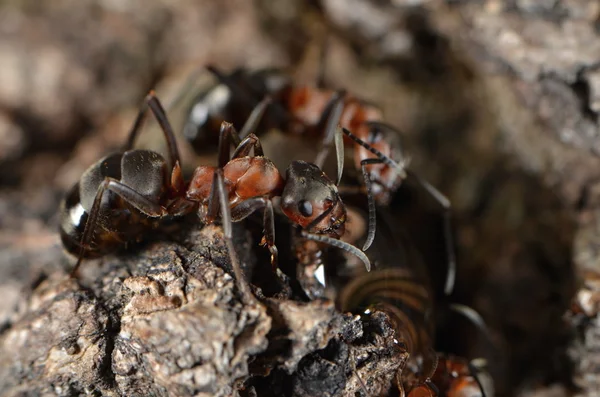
x: 305, y: 208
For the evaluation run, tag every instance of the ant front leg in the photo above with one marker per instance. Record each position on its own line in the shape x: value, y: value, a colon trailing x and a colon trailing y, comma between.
x: 219, y: 199
x: 132, y: 197
x: 243, y: 147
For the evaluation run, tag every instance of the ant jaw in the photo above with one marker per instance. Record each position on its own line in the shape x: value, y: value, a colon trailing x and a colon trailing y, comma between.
x: 333, y: 225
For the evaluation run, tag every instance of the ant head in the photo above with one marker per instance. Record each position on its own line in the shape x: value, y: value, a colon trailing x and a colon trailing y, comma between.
x: 311, y: 200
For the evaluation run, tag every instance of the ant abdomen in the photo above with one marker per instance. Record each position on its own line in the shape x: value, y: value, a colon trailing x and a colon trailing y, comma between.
x: 142, y: 171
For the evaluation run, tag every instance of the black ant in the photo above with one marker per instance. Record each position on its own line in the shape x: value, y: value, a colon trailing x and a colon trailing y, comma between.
x: 308, y: 111
x: 123, y: 196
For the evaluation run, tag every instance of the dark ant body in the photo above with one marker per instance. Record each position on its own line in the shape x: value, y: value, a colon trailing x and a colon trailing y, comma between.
x: 125, y: 195
x: 400, y: 287
x: 310, y: 111
x: 232, y: 98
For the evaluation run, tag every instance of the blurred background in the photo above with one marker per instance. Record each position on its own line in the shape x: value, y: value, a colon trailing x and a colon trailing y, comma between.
x: 497, y: 102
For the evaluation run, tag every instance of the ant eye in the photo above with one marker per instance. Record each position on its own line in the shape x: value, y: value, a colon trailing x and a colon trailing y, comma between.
x: 305, y: 208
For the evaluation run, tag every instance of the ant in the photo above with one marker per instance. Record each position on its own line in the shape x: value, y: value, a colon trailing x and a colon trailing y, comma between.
x: 308, y: 111
x: 125, y: 195
x: 400, y: 287
x: 454, y: 376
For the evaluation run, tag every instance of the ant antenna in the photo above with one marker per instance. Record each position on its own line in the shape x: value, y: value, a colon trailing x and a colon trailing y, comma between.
x: 381, y: 126
x: 372, y: 226
x: 334, y: 110
x: 339, y: 244
x: 381, y: 158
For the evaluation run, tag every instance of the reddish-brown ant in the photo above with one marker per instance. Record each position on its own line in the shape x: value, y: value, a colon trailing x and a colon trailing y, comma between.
x: 306, y: 110
x: 124, y: 195
x: 454, y: 377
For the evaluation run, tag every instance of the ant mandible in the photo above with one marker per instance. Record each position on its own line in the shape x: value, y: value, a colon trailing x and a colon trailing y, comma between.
x: 131, y: 192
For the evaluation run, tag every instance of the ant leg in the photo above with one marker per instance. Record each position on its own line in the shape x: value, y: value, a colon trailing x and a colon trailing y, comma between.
x: 243, y: 149
x: 226, y: 133
x: 254, y: 119
x: 249, y: 206
x: 219, y: 200
x: 443, y: 201
x: 245, y: 209
x: 145, y: 206
x: 474, y: 318
x: 474, y: 371
x: 471, y: 315
x: 250, y: 98
x: 431, y: 362
x: 152, y: 102
x: 432, y: 387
